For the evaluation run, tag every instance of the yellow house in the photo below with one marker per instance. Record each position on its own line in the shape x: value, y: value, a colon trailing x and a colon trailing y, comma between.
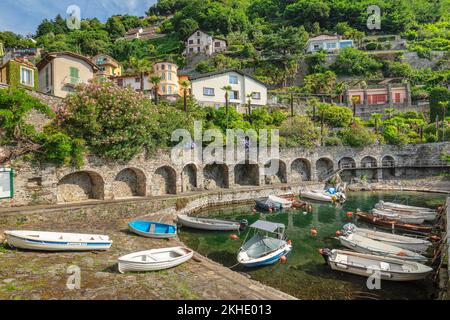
x: 61, y: 72
x: 108, y: 66
x: 168, y: 73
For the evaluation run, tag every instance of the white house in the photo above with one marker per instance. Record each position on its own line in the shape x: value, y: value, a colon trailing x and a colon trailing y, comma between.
x: 329, y: 43
x: 200, y: 42
x: 207, y: 89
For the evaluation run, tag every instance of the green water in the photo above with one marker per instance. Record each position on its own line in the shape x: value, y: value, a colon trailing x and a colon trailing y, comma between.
x: 305, y: 274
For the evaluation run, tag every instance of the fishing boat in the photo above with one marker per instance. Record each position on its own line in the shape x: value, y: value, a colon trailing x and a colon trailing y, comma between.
x: 393, y: 224
x: 320, y: 195
x: 362, y: 244
x: 409, y: 243
x: 278, y: 201
x: 266, y: 204
x: 366, y: 264
x: 262, y: 249
x: 153, y: 260
x: 428, y: 215
x: 398, y: 216
x: 57, y: 241
x: 153, y: 229
x: 211, y: 224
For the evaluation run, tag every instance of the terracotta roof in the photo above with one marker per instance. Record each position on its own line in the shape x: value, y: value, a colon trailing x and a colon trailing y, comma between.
x: 52, y: 55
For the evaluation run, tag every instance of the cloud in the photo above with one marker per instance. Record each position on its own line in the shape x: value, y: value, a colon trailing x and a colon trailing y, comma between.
x: 23, y: 16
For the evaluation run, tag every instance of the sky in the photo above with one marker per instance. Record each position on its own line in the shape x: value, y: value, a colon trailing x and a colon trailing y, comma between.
x: 23, y: 16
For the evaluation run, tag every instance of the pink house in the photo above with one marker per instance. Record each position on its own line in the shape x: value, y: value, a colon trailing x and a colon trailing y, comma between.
x: 388, y: 95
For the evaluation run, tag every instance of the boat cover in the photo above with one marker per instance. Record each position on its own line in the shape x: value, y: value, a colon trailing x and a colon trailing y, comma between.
x: 267, y: 226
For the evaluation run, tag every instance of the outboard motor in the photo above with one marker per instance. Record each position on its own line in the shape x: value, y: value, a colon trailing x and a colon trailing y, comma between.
x: 325, y: 254
x: 244, y: 224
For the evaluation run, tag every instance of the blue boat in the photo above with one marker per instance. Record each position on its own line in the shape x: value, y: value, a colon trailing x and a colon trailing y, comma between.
x: 262, y: 249
x: 151, y: 229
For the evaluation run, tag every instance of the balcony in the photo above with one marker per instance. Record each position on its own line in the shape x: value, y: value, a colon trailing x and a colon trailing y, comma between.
x: 71, y: 81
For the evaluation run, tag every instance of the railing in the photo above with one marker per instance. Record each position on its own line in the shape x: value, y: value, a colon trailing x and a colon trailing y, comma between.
x: 72, y: 80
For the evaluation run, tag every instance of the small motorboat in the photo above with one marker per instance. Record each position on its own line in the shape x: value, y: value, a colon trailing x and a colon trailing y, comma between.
x: 362, y: 244
x: 211, y: 224
x: 393, y: 224
x: 402, y: 207
x: 153, y: 229
x: 266, y: 204
x: 153, y: 260
x: 262, y: 249
x: 324, y: 196
x: 278, y: 201
x: 366, y: 265
x: 409, y: 243
x: 57, y: 241
x: 398, y: 216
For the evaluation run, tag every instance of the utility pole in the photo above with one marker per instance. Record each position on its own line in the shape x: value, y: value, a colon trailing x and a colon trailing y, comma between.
x: 292, y: 104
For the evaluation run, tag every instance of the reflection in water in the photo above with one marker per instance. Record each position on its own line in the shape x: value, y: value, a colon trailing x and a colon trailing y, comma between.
x: 305, y: 275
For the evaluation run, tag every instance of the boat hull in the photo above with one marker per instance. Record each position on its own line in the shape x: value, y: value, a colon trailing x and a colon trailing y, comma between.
x: 50, y: 245
x: 393, y: 224
x: 226, y: 226
x: 140, y: 227
x: 269, y: 259
x: 126, y: 265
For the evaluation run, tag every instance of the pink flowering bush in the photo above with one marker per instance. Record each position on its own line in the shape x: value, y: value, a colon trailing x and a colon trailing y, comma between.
x: 115, y: 122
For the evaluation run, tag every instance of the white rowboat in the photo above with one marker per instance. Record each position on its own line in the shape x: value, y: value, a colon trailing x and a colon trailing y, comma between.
x: 153, y: 260
x: 210, y: 224
x: 365, y: 265
x: 362, y: 244
x: 398, y: 216
x: 408, y: 243
x: 280, y: 202
x: 320, y: 195
x: 57, y: 241
x: 428, y: 215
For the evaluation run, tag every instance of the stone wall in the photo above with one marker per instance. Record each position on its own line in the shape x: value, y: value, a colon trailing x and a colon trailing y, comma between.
x: 155, y: 176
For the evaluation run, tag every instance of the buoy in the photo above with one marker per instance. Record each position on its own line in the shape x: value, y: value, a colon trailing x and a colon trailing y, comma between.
x: 289, y: 242
x: 314, y: 232
x: 270, y: 210
x: 435, y: 238
x: 350, y: 214
x: 283, y: 259
x: 234, y: 237
x: 334, y: 198
x: 338, y: 233
x: 254, y: 210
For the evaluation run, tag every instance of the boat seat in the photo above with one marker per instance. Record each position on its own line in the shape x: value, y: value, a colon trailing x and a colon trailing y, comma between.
x: 341, y: 259
x: 152, y: 228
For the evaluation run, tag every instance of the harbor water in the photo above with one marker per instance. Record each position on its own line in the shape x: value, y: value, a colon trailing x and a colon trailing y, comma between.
x: 305, y: 274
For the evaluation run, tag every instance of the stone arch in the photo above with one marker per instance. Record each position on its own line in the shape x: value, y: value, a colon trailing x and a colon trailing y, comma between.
x: 81, y: 186
x: 347, y: 163
x: 272, y: 177
x: 165, y: 181
x: 300, y: 170
x: 388, y: 167
x: 189, y: 178
x: 369, y: 162
x: 216, y: 176
x: 130, y: 182
x: 324, y: 167
x: 246, y: 174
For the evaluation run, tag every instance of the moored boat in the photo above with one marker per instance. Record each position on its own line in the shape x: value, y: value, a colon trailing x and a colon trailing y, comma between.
x: 153, y: 260
x: 428, y: 215
x: 398, y: 206
x: 362, y: 244
x: 151, y: 229
x: 320, y: 195
x: 57, y: 241
x: 266, y: 204
x: 366, y: 264
x: 398, y: 216
x: 404, y: 242
x: 211, y: 224
x: 393, y: 224
x: 278, y: 201
x: 262, y: 250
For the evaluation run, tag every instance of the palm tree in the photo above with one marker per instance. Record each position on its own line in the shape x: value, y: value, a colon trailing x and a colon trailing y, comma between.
x: 185, y: 84
x: 140, y: 66
x: 389, y: 112
x: 227, y: 90
x: 378, y: 119
x: 155, y: 81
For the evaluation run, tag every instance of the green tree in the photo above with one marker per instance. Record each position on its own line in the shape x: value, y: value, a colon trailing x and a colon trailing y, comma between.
x: 353, y: 62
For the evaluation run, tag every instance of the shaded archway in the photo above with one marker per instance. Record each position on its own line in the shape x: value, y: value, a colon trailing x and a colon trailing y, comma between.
x: 368, y: 162
x: 189, y: 178
x: 128, y: 183
x: 165, y: 181
x: 216, y: 176
x: 300, y: 170
x: 275, y: 172
x: 80, y: 186
x: 246, y: 174
x: 324, y: 167
x: 388, y: 164
x: 347, y: 163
